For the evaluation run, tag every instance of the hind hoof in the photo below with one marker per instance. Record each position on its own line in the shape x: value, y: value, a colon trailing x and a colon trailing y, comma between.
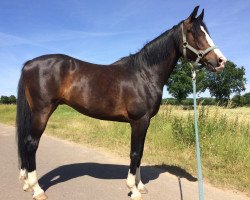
x: 41, y: 196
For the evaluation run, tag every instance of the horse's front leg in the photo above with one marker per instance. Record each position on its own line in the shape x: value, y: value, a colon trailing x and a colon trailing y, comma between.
x: 139, y: 130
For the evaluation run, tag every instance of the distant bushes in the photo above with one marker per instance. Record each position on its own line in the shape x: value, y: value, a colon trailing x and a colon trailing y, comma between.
x: 8, y: 100
x: 243, y: 100
x: 236, y: 101
x: 189, y: 101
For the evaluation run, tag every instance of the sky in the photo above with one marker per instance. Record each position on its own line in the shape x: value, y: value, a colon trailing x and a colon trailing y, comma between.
x: 104, y: 31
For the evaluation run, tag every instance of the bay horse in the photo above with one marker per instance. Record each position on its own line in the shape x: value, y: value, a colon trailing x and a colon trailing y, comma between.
x: 129, y: 90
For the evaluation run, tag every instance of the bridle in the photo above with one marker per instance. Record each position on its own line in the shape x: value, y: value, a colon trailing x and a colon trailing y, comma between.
x: 199, y: 53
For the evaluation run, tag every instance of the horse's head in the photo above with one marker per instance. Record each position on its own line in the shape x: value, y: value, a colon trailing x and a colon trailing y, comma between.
x: 197, y: 43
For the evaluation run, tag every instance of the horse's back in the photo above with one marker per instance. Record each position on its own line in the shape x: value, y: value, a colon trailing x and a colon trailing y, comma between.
x: 95, y: 90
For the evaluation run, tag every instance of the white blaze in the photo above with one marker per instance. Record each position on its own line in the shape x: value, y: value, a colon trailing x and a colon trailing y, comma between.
x: 211, y: 43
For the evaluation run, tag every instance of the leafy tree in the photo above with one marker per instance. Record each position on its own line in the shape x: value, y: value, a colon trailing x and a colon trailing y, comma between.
x: 247, y: 98
x: 243, y: 100
x: 8, y: 100
x: 179, y: 84
x: 5, y: 100
x: 230, y: 80
x: 12, y: 99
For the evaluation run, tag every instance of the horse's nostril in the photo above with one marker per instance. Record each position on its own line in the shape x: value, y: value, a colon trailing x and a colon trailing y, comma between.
x: 222, y: 60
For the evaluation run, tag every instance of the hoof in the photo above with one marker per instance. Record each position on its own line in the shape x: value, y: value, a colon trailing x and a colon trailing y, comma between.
x: 41, y: 196
x: 27, y: 188
x: 22, y: 178
x: 136, y: 196
x: 143, y: 190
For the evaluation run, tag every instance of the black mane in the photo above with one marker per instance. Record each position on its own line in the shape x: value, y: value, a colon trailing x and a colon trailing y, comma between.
x: 154, y: 51
x: 159, y: 48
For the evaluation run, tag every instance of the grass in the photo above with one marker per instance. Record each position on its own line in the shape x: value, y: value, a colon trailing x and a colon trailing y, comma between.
x: 224, y: 134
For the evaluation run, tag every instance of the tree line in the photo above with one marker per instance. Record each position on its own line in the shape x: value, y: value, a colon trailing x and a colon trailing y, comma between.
x: 220, y: 85
x: 8, y: 99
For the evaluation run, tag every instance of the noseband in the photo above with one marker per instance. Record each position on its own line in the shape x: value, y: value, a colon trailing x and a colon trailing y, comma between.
x: 199, y: 53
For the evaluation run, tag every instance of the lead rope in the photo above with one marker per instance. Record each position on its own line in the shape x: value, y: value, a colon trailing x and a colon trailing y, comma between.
x: 198, y: 154
x: 200, y: 54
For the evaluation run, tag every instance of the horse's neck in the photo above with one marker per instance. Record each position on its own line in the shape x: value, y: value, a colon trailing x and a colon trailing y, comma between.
x: 159, y: 71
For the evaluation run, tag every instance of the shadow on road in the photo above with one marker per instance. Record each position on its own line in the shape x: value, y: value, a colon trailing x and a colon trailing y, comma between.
x: 107, y: 171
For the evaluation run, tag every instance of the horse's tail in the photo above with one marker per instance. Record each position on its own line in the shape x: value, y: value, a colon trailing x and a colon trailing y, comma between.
x: 23, y: 123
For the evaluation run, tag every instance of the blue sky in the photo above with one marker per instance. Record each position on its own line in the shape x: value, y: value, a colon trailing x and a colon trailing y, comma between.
x: 104, y: 31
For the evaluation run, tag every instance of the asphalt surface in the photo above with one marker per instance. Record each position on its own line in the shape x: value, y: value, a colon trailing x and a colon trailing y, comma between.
x: 73, y: 172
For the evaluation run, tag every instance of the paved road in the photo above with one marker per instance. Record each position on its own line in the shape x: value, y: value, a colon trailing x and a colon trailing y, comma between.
x: 73, y: 172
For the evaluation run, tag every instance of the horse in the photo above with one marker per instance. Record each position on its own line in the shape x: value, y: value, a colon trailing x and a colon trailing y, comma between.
x: 128, y: 90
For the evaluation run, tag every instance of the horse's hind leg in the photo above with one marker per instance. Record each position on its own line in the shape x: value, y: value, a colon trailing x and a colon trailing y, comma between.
x: 39, y: 121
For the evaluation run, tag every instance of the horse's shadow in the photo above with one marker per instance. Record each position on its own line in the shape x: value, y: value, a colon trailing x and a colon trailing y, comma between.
x: 107, y: 171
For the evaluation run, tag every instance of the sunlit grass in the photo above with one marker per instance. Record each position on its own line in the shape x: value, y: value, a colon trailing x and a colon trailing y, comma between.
x: 224, y: 134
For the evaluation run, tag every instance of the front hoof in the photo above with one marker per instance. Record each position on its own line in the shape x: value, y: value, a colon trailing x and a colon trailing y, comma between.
x: 136, y: 196
x: 41, y: 196
x: 143, y: 190
x: 27, y: 188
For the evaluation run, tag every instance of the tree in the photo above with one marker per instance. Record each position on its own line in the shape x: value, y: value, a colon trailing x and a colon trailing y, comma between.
x: 243, y: 100
x: 12, y: 99
x: 8, y: 100
x: 179, y: 84
x: 5, y: 100
x: 247, y: 98
x: 230, y: 80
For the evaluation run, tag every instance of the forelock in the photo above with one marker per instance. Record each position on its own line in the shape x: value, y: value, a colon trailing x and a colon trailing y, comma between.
x: 196, y: 27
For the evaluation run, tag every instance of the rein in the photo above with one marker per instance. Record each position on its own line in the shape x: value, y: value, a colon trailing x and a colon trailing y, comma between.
x: 200, y: 54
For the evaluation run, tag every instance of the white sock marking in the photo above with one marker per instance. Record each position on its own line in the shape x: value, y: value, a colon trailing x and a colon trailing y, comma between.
x: 33, y: 183
x: 132, y: 185
x: 23, y: 174
x: 130, y: 180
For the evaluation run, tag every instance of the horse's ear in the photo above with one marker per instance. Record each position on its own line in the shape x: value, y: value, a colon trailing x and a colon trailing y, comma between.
x: 201, y: 16
x: 193, y: 14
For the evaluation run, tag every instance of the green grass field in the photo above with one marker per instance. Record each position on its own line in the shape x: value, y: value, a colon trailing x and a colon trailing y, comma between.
x: 224, y: 134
